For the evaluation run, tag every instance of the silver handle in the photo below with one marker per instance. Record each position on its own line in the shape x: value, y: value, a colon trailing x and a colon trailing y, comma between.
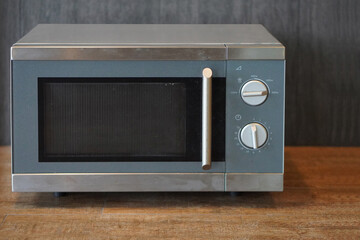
x: 206, y: 118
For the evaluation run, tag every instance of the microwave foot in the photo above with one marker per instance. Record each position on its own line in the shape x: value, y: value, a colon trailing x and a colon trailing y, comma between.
x: 234, y: 194
x: 59, y: 194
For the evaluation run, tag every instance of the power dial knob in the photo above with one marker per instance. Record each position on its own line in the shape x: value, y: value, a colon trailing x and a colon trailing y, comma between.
x: 253, y: 135
x: 254, y: 92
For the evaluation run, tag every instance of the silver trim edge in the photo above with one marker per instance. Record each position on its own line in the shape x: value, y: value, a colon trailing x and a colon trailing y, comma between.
x: 117, y: 182
x: 147, y: 182
x: 118, y: 53
x: 172, y: 52
x: 254, y: 182
x: 256, y: 53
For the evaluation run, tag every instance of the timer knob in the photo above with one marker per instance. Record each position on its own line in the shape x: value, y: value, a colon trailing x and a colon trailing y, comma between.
x: 254, y: 92
x: 253, y: 135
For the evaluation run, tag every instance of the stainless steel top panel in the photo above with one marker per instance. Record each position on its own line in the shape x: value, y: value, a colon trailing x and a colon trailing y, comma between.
x: 148, y: 34
x: 147, y: 42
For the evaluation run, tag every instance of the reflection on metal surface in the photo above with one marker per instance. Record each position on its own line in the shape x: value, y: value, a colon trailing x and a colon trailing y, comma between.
x: 147, y: 42
x: 254, y: 182
x: 117, y: 182
x: 118, y: 53
x: 147, y: 182
x: 256, y: 53
x: 24, y: 52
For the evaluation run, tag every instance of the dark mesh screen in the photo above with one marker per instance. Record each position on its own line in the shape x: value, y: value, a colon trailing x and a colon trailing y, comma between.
x: 125, y: 119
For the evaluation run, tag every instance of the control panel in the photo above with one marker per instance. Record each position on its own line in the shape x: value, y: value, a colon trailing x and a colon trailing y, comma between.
x: 255, y: 116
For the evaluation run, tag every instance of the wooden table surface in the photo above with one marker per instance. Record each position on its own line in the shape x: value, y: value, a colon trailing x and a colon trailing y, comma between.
x: 321, y: 200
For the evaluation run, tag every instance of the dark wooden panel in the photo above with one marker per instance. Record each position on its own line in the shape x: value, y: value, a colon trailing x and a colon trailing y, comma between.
x: 10, y: 32
x: 322, y: 40
x: 178, y: 12
x: 87, y: 12
x: 328, y: 76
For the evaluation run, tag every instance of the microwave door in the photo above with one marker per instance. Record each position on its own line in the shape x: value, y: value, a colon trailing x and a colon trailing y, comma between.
x: 117, y: 119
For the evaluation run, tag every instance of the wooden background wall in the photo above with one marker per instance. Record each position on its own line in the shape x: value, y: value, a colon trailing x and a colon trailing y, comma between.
x: 322, y: 39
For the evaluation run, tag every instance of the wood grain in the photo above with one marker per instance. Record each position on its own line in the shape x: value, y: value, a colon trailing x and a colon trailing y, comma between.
x: 329, y: 67
x: 322, y: 49
x: 321, y: 200
x: 180, y: 227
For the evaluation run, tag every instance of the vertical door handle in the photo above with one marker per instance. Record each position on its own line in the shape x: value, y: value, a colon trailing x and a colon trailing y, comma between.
x: 206, y: 118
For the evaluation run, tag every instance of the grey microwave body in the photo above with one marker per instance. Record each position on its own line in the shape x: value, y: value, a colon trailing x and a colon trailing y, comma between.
x: 236, y: 54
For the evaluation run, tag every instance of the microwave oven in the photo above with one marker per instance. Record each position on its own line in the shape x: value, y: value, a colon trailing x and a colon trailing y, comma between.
x: 122, y: 107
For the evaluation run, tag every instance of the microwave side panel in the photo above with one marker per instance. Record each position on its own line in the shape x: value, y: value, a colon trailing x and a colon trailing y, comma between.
x: 259, y: 168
